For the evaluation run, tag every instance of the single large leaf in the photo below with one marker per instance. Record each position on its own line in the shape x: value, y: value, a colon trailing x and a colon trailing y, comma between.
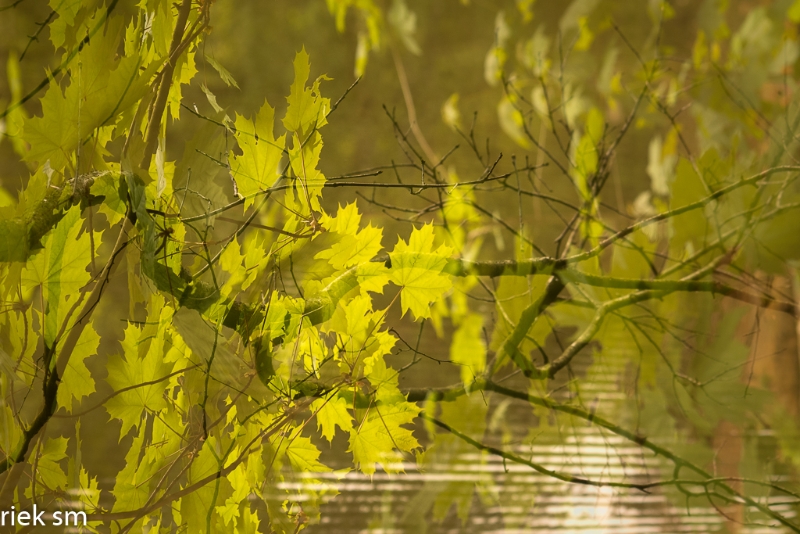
x: 331, y: 413
x: 355, y: 246
x: 380, y: 437
x: 77, y: 381
x: 257, y: 168
x: 131, y: 369
x: 60, y: 268
x: 307, y: 108
x: 417, y: 268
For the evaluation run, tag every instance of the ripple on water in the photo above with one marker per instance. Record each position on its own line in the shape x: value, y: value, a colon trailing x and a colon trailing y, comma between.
x: 521, y: 501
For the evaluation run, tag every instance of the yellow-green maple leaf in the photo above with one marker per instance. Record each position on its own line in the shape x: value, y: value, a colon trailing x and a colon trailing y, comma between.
x: 257, y: 168
x: 129, y: 369
x: 66, y: 17
x: 417, y: 268
x: 307, y: 109
x: 194, y: 506
x: 306, y: 114
x: 113, y: 206
x: 60, y: 268
x: 303, y: 455
x: 383, y: 379
x: 10, y: 431
x: 372, y: 276
x: 102, y: 86
x: 77, y: 381
x: 355, y: 246
x: 231, y: 262
x: 48, y: 465
x: 132, y: 487
x: 380, y: 438
x: 309, y: 181
x: 87, y: 490
x: 331, y: 413
x: 361, y: 323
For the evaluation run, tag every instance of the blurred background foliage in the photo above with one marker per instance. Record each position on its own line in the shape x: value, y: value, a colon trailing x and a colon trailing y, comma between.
x: 458, y: 47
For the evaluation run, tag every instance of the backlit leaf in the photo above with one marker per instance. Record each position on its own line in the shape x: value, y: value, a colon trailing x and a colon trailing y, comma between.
x: 416, y: 268
x: 77, y: 381
x: 257, y: 168
x: 331, y: 413
x: 380, y: 437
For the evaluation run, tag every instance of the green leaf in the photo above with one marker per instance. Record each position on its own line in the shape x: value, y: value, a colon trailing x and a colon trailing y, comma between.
x: 660, y: 167
x: 448, y: 453
x: 468, y: 348
x: 15, y: 120
x: 211, y: 97
x: 129, y: 370
x: 372, y: 276
x: 306, y: 114
x: 585, y: 153
x: 379, y: 437
x: 512, y: 122
x: 77, y: 381
x: 723, y: 394
x: 132, y: 487
x: 525, y: 8
x: 307, y: 108
x: 309, y: 180
x: 257, y: 168
x: 231, y: 262
x: 224, y: 74
x: 355, y: 246
x: 194, y: 506
x: 184, y: 72
x: 372, y: 20
x: 13, y: 240
x: 10, y: 431
x: 331, y: 413
x: 67, y: 10
x: 60, y: 268
x: 417, y: 268
x: 383, y: 378
x: 496, y: 57
x: 451, y: 115
x: 113, y: 206
x: 49, y: 463
x: 362, y: 54
x: 238, y: 481
x: 690, y: 227
x: 303, y: 455
x: 24, y: 360
x: 103, y: 85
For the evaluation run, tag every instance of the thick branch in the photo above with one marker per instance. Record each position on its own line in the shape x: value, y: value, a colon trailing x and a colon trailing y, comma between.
x: 671, y: 286
x: 165, y: 82
x: 49, y: 408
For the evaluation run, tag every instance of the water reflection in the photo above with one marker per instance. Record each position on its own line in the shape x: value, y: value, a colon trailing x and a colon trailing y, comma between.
x: 513, y: 499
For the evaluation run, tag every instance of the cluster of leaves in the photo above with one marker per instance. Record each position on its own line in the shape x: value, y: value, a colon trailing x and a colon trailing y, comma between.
x: 259, y: 323
x: 216, y: 385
